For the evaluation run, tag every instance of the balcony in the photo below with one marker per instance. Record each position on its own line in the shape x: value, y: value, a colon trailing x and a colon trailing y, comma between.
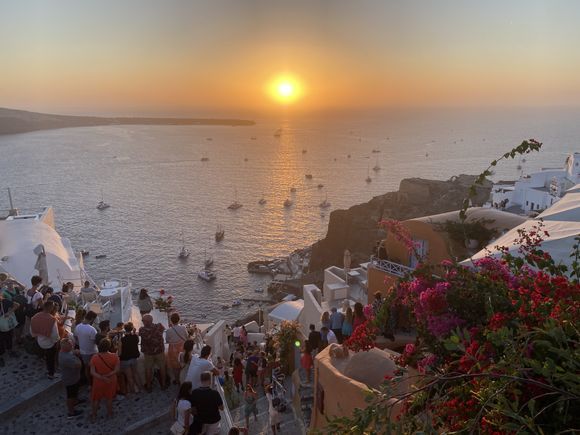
x: 389, y: 267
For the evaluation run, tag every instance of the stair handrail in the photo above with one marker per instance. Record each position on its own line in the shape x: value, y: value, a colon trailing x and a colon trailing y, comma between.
x: 226, y: 411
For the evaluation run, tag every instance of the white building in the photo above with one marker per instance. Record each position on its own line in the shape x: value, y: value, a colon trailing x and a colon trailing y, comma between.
x: 561, y: 221
x: 538, y: 191
x: 341, y: 288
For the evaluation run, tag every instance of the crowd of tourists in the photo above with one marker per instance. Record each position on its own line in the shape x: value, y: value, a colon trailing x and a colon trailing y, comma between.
x: 103, y: 358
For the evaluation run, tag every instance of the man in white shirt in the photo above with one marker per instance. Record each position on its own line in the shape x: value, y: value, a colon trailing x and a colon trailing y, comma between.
x: 198, y: 365
x: 85, y: 335
x: 236, y: 334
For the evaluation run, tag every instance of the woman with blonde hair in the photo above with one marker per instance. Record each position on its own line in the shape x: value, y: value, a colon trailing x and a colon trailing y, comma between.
x: 325, y: 320
x: 347, y: 323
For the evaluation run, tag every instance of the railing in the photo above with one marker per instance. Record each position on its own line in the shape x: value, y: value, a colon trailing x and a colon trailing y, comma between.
x: 226, y: 412
x: 390, y: 267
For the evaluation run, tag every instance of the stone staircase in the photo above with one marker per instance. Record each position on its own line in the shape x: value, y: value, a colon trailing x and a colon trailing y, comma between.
x: 290, y: 424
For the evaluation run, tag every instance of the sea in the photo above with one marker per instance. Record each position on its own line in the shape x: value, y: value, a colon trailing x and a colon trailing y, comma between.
x: 161, y: 192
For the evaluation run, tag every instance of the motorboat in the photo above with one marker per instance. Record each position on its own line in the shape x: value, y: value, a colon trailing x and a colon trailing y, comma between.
x: 308, y: 176
x: 100, y: 256
x: 84, y: 252
x: 304, y: 151
x: 207, y: 275
x: 236, y: 303
x: 262, y: 201
x: 102, y: 205
x: 292, y: 190
x: 205, y: 159
x: 259, y: 290
x: 219, y: 233
x: 377, y: 168
x: 288, y: 203
x: 235, y: 205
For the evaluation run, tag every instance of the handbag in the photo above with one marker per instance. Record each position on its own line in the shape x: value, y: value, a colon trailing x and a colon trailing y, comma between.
x: 7, y: 321
x: 177, y: 429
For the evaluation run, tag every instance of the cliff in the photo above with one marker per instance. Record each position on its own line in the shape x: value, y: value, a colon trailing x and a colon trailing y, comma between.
x: 21, y: 121
x: 356, y: 229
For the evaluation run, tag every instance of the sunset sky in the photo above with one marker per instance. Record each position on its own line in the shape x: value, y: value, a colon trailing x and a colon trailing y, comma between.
x: 184, y: 57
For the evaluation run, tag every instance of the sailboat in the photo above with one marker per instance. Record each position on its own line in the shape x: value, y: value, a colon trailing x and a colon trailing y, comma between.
x: 288, y: 203
x: 102, y: 205
x: 262, y: 201
x: 325, y: 203
x: 235, y: 205
x: 377, y: 168
x: 208, y: 260
x: 219, y: 233
x: 368, y: 179
x: 184, y: 252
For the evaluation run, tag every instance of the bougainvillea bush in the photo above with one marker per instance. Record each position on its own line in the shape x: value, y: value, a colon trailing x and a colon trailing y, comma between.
x: 497, y: 348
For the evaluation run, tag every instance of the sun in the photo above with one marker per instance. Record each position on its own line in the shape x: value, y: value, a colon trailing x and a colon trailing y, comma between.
x: 285, y: 89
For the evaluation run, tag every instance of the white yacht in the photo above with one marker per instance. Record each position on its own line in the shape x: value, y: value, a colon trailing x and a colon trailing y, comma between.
x: 207, y: 275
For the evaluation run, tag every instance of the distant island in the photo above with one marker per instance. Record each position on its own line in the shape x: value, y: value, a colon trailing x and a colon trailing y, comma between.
x: 22, y: 121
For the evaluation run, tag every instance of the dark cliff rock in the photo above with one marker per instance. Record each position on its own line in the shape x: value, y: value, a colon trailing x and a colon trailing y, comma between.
x: 357, y: 230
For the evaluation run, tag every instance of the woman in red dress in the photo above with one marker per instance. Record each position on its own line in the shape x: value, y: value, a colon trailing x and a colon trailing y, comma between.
x: 104, y: 368
x: 238, y: 374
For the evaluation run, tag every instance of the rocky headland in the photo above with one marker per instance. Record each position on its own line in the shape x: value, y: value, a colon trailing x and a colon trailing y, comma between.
x: 21, y: 121
x: 357, y: 230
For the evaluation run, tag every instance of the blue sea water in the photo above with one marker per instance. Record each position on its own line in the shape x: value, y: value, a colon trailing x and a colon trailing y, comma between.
x: 158, y: 187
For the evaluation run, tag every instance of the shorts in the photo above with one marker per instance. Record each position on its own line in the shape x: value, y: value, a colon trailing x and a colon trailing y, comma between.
x: 211, y: 429
x: 128, y: 363
x: 86, y: 359
x: 152, y: 361
x: 72, y: 391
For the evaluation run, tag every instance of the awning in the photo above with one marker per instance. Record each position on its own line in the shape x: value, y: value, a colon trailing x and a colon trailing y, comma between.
x: 287, y: 311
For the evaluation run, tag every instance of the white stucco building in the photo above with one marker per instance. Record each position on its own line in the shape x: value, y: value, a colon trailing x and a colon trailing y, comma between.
x: 538, y: 191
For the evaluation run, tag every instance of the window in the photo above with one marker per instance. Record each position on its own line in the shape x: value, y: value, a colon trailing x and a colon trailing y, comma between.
x: 527, y: 203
